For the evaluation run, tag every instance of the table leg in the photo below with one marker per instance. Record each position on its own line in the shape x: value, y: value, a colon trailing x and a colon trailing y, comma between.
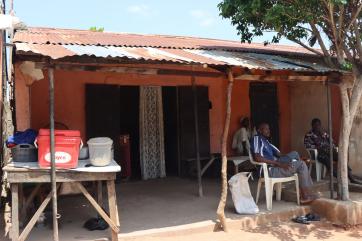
x: 99, y: 193
x: 22, y: 215
x: 113, y: 209
x: 14, y: 212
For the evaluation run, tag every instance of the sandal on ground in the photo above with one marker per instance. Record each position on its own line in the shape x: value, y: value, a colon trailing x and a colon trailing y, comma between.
x: 312, y: 217
x: 301, y: 220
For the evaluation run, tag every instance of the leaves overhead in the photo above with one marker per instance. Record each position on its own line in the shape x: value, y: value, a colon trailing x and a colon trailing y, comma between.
x: 336, y: 25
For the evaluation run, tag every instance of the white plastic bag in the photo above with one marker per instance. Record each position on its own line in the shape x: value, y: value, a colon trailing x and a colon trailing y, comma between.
x: 240, y: 193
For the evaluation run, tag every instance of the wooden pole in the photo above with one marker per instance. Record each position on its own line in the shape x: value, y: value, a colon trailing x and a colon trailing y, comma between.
x: 52, y: 155
x: 197, y: 143
x: 224, y: 186
x: 330, y: 127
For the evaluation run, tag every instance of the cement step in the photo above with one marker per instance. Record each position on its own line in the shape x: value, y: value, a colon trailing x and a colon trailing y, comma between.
x: 243, y: 222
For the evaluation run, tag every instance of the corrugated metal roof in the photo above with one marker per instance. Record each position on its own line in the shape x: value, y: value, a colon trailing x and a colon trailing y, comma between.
x: 86, y: 37
x: 60, y: 43
x: 184, y: 56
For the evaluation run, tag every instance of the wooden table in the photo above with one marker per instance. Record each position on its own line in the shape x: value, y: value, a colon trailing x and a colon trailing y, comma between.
x: 19, y: 173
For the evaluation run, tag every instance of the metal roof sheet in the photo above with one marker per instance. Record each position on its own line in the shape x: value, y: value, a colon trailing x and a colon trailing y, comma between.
x: 184, y: 56
x: 85, y: 37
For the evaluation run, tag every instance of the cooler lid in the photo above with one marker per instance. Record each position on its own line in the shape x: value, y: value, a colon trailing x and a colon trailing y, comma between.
x: 69, y: 133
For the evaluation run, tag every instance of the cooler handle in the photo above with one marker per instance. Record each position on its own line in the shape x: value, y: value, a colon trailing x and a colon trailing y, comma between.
x: 36, y: 143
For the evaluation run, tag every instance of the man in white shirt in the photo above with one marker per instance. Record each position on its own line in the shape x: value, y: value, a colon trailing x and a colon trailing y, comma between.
x: 241, y: 136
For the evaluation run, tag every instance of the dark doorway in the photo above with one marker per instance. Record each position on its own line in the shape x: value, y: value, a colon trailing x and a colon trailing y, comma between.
x: 264, y: 107
x: 129, y: 123
x: 102, y: 113
x: 187, y: 123
x: 112, y: 110
x: 170, y: 121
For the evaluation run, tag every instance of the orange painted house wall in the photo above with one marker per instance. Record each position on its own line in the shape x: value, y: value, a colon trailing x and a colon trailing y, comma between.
x: 70, y: 101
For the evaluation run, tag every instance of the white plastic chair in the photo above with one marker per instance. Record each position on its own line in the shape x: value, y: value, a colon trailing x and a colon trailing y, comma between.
x: 319, y: 167
x: 270, y: 182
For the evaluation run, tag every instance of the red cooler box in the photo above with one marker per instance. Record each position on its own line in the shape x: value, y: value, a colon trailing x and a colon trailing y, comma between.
x: 67, y: 145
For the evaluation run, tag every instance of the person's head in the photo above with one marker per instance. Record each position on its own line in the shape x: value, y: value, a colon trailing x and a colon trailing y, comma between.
x: 316, y: 125
x: 244, y: 122
x: 264, y: 130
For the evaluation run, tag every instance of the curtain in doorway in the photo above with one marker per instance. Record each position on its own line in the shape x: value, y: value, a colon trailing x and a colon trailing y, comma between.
x: 152, y: 153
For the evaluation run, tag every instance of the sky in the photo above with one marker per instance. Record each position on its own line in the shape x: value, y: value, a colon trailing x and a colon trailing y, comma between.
x: 199, y: 18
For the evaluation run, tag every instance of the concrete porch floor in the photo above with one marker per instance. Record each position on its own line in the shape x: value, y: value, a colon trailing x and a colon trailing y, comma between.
x: 154, y: 206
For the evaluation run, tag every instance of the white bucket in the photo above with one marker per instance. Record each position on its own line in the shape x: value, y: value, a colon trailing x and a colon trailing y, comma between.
x: 100, y: 151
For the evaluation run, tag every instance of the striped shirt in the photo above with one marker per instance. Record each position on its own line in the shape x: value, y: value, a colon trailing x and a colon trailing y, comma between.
x: 260, y: 145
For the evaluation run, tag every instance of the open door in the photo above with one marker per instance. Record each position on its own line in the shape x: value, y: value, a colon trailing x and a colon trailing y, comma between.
x: 264, y: 107
x: 187, y: 122
x: 102, y: 113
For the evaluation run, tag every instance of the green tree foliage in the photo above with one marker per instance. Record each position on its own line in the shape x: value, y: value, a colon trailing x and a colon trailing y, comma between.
x: 334, y: 24
x: 95, y: 29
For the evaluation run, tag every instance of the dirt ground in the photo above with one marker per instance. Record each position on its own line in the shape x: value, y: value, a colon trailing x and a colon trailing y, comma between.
x: 277, y: 231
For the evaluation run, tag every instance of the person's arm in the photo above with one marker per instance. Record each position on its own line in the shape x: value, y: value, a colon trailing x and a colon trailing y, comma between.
x: 244, y: 139
x: 234, y: 144
x: 308, y: 142
x: 245, y: 150
x: 260, y: 159
x: 256, y: 145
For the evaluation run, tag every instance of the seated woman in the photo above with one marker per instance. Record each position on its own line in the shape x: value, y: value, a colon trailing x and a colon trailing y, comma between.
x: 282, y: 165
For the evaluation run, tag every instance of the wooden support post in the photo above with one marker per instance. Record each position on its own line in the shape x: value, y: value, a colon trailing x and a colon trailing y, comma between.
x: 52, y: 155
x: 113, y: 210
x: 35, y: 217
x: 101, y: 212
x: 100, y: 193
x: 330, y: 127
x: 197, y: 143
x: 224, y: 188
x: 15, y: 211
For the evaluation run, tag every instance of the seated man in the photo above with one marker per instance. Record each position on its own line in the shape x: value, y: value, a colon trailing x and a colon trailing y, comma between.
x: 241, y: 136
x: 319, y: 139
x: 282, y: 165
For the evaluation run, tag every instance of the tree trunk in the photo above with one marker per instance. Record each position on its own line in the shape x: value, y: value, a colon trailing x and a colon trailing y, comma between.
x: 349, y: 109
x: 343, y: 157
x: 224, y: 187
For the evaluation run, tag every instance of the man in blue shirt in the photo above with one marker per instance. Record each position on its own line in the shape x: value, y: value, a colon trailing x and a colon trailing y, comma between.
x: 281, y: 165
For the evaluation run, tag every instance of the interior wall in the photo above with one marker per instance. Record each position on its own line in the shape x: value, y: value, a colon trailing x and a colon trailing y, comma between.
x: 355, y: 144
x: 308, y: 100
x: 70, y: 98
x: 70, y: 102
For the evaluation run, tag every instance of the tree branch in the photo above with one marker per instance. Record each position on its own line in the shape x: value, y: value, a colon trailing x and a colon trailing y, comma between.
x: 306, y: 46
x: 340, y: 21
x: 354, y: 67
x: 358, y: 42
x: 355, y: 97
x: 354, y: 18
x: 321, y: 43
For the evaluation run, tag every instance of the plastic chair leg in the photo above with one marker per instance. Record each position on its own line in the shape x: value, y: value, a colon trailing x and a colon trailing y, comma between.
x: 269, y: 195
x: 324, y: 171
x: 297, y: 190
x: 258, y: 191
x: 279, y: 191
x: 318, y: 169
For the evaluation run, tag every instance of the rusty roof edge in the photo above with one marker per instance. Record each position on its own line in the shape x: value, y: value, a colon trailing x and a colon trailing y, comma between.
x: 223, y: 48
